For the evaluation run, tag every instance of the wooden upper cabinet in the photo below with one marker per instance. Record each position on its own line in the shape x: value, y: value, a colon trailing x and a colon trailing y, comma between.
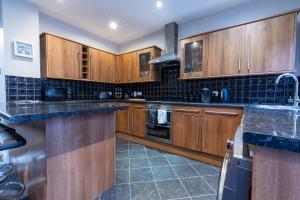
x: 144, y: 71
x: 270, y: 45
x: 60, y: 58
x: 225, y: 51
x: 124, y: 69
x: 186, y: 127
x: 194, y: 56
x: 108, y: 70
x: 219, y: 124
x: 96, y: 61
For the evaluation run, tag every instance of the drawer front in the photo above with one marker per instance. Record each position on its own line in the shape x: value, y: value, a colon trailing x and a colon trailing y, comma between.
x: 192, y: 110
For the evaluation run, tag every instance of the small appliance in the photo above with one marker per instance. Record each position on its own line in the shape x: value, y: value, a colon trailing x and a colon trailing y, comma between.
x: 225, y: 95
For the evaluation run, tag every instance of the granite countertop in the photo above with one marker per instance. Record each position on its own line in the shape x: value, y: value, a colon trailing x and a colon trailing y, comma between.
x: 17, y: 112
x: 273, y: 128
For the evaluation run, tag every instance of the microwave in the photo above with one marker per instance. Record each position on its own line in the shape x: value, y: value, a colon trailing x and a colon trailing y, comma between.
x: 56, y: 94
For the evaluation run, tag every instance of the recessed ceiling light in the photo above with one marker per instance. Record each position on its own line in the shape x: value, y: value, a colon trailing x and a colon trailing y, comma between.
x: 113, y: 25
x: 158, y: 4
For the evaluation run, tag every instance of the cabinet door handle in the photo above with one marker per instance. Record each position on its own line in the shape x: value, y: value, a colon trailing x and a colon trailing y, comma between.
x: 221, y: 113
x: 137, y: 107
x: 184, y: 110
x: 249, y: 54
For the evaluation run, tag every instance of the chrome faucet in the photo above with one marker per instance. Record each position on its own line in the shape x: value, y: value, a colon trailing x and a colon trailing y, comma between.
x: 296, y: 95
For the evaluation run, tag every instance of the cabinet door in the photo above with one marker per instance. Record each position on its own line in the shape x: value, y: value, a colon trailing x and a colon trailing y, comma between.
x: 194, y: 52
x: 225, y: 51
x: 270, y: 45
x: 186, y: 129
x: 123, y: 121
x: 125, y: 68
x: 138, y: 121
x: 108, y: 68
x: 218, y: 126
x: 95, y: 64
x: 63, y: 58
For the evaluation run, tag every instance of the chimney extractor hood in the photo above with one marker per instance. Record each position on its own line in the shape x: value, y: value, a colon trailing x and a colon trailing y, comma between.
x: 171, y: 44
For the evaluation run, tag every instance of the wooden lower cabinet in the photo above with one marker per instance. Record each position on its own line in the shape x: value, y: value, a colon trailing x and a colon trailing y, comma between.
x: 133, y: 120
x: 219, y: 124
x: 187, y: 128
x: 205, y: 131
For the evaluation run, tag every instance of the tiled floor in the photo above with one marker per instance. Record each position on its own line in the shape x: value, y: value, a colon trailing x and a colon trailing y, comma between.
x: 148, y: 174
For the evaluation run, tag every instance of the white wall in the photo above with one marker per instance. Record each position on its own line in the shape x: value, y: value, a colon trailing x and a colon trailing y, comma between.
x: 2, y: 77
x: 239, y: 14
x: 21, y: 22
x: 56, y: 27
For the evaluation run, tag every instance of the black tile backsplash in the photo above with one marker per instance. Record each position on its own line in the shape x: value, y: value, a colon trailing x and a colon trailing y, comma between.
x: 246, y: 89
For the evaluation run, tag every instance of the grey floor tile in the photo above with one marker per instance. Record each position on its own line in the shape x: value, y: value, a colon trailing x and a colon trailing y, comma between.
x: 122, y: 155
x: 205, y: 169
x: 122, y: 164
x: 208, y: 197
x: 122, y: 176
x: 144, y: 174
x: 137, y: 154
x: 171, y: 189
x: 122, y: 148
x: 183, y: 171
x: 196, y: 186
x: 163, y: 173
x: 154, y: 152
x: 117, y: 192
x: 139, y: 163
x: 158, y: 161
x: 144, y: 191
x: 176, y: 160
x: 134, y: 146
x: 213, y: 181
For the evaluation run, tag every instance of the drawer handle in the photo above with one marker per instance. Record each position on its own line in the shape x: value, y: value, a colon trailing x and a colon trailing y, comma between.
x: 221, y: 113
x: 183, y: 110
x: 137, y: 107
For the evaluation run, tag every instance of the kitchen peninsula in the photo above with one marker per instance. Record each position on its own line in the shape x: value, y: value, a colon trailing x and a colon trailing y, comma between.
x: 71, y: 147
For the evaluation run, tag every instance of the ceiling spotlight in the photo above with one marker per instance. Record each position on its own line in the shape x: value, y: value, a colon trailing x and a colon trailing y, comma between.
x: 158, y: 4
x: 113, y: 25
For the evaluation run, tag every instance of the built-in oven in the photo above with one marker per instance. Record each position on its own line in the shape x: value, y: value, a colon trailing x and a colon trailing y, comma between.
x: 155, y: 130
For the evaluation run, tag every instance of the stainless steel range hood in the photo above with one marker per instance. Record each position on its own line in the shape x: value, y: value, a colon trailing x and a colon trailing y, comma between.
x: 171, y: 45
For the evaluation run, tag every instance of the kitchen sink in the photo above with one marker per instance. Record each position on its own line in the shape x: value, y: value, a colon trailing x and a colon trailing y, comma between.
x: 137, y: 99
x: 277, y: 107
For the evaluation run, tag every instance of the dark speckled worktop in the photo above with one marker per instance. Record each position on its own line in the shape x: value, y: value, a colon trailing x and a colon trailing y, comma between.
x: 273, y: 128
x: 25, y: 111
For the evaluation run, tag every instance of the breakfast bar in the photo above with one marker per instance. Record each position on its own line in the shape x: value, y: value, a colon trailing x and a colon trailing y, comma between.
x: 70, y: 147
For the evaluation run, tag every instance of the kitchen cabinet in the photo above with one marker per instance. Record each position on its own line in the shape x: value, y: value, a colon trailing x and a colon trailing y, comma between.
x: 60, y: 58
x: 194, y: 56
x: 270, y: 45
x: 125, y: 68
x: 225, y: 52
x: 108, y: 70
x: 219, y: 124
x: 186, y: 127
x: 144, y: 72
x: 96, y: 62
x: 261, y: 47
x: 133, y: 120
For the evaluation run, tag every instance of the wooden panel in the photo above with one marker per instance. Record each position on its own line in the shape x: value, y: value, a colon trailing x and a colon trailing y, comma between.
x: 186, y: 130
x: 219, y: 125
x: 80, y: 156
x: 125, y: 68
x: 135, y: 67
x: 225, y: 52
x: 124, y: 120
x: 63, y: 58
x: 195, y: 155
x: 276, y: 174
x: 138, y: 119
x: 95, y: 64
x: 194, y: 110
x: 270, y: 45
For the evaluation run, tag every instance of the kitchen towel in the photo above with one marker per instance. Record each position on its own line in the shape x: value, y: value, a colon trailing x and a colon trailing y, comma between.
x: 152, y: 118
x: 162, y: 116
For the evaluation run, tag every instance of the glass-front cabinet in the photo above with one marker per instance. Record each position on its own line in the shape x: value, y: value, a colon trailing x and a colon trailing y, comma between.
x: 145, y: 71
x: 193, y: 56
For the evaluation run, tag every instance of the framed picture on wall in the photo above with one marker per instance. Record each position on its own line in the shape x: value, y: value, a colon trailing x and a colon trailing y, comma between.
x: 23, y: 49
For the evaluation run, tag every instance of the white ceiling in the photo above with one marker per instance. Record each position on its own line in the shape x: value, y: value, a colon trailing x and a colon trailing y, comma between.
x: 136, y: 18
